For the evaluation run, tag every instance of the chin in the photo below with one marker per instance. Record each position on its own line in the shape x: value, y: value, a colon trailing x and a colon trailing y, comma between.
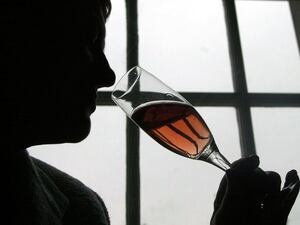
x: 72, y: 130
x: 79, y: 131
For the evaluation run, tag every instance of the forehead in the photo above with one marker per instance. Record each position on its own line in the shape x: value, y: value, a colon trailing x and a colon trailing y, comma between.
x: 88, y: 17
x: 65, y: 22
x: 89, y: 11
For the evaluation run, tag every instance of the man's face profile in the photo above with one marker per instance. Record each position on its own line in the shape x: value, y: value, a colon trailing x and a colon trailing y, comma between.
x: 54, y: 72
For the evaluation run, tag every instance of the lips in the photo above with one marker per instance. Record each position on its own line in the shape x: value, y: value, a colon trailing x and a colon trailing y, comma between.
x: 85, y: 101
x: 91, y: 102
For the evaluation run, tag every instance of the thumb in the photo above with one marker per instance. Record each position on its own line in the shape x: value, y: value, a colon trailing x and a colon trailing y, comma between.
x: 246, y: 164
x: 290, y: 190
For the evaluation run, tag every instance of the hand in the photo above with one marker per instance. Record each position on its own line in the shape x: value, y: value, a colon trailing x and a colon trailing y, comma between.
x: 249, y: 196
x: 278, y: 204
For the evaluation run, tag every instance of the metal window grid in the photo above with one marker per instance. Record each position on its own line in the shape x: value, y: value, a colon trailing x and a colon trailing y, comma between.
x: 241, y: 99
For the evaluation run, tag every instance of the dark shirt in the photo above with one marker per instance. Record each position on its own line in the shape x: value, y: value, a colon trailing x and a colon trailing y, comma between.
x: 36, y: 193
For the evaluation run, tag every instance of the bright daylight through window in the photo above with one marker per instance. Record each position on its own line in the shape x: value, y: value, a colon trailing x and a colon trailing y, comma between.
x: 188, y: 47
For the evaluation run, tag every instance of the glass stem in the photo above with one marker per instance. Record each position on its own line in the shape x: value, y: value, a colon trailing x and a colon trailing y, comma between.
x: 213, y: 156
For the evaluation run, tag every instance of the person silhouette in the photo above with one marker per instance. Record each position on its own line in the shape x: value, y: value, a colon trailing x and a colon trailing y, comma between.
x: 52, y: 65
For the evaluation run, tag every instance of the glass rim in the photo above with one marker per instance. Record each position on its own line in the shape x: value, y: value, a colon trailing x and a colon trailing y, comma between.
x: 122, y: 78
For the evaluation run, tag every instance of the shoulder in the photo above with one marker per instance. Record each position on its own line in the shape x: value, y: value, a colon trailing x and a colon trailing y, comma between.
x: 85, y: 206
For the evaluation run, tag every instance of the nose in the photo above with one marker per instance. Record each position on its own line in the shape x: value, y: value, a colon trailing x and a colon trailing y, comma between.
x: 104, y: 75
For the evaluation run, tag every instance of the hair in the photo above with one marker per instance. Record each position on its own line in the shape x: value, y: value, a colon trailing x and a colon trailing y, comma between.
x: 23, y: 20
x: 107, y: 7
x: 16, y: 15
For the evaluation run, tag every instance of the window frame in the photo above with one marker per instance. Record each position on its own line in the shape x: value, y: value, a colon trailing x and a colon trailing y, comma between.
x: 241, y: 99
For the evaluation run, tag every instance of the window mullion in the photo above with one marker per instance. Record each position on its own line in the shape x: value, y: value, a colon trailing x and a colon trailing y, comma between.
x: 239, y: 79
x: 132, y: 132
x: 295, y: 10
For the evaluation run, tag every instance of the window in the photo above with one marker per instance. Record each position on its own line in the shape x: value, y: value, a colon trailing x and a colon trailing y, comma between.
x: 165, y: 45
x: 269, y: 45
x: 276, y: 133
x: 242, y: 73
x: 176, y: 190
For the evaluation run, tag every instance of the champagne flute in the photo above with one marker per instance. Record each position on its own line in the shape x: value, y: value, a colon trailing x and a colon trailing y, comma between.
x: 166, y: 116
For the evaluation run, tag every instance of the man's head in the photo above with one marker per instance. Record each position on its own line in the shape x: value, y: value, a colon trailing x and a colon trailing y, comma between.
x: 54, y: 63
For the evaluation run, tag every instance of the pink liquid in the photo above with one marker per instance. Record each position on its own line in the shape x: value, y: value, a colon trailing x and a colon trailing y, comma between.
x: 176, y: 126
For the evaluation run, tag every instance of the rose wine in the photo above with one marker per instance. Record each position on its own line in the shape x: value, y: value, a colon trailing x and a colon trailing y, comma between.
x: 177, y: 126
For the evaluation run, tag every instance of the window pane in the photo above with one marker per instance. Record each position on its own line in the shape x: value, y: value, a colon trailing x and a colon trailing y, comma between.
x: 277, y: 138
x: 185, y: 44
x: 177, y: 190
x: 98, y: 161
x: 115, y: 41
x: 269, y: 46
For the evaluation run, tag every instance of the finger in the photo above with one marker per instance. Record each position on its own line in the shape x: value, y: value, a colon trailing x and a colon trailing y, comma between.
x: 281, y: 203
x: 246, y: 164
x: 252, y: 185
x: 273, y: 183
x: 291, y: 177
x: 273, y: 211
x: 291, y: 198
x: 290, y: 191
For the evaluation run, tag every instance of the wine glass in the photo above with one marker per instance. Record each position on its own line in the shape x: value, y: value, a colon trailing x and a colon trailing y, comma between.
x: 166, y: 116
